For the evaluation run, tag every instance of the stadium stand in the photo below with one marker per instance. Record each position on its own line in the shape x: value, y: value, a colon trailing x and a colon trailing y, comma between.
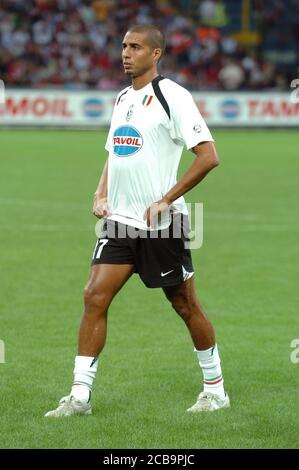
x: 212, y: 45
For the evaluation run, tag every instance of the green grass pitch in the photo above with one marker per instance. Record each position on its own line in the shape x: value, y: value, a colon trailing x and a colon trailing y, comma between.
x: 247, y: 280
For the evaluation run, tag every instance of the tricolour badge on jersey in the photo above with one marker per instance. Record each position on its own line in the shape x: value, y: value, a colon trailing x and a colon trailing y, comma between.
x: 147, y: 100
x: 126, y: 141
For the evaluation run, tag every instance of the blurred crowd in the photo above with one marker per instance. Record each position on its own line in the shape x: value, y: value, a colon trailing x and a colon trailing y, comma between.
x: 77, y: 43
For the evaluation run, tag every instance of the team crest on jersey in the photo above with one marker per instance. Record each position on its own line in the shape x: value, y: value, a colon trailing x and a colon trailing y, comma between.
x: 130, y: 112
x: 126, y: 141
x: 147, y: 100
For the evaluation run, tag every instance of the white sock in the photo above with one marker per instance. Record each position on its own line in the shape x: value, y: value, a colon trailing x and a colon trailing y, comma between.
x: 209, y: 362
x: 84, y: 374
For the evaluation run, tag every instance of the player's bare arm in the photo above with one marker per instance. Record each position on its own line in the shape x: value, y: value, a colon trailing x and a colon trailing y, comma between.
x: 206, y: 159
x: 100, y: 206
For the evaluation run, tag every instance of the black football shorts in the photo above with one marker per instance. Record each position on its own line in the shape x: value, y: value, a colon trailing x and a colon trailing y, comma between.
x: 161, y: 257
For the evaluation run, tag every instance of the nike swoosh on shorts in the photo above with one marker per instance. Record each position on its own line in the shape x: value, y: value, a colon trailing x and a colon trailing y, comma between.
x: 165, y: 274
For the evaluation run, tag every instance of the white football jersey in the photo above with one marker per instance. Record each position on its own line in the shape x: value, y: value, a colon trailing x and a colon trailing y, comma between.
x: 148, y: 131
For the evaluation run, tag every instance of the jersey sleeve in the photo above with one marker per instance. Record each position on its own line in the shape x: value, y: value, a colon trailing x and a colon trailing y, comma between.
x: 108, y: 141
x: 109, y: 137
x: 187, y: 124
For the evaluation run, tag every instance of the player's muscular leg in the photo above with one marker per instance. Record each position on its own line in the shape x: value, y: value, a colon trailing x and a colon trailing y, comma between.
x: 104, y: 282
x: 185, y: 302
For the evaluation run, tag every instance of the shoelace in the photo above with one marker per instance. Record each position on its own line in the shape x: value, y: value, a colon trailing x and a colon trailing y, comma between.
x: 205, y: 397
x: 65, y: 404
x: 65, y: 401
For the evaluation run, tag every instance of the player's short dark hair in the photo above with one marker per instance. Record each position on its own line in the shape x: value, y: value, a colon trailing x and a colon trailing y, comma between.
x: 155, y: 36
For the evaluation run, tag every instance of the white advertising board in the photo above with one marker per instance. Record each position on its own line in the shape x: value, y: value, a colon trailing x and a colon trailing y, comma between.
x: 22, y: 107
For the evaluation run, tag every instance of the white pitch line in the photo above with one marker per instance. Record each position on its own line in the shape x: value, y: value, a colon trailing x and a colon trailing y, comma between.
x: 53, y: 204
x: 255, y: 228
x: 49, y: 228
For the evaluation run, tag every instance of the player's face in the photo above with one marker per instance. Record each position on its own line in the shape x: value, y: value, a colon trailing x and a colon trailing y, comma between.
x: 137, y: 55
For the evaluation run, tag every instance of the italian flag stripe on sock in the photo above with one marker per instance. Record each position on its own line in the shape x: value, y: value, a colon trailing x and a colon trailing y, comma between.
x: 82, y: 383
x: 213, y: 380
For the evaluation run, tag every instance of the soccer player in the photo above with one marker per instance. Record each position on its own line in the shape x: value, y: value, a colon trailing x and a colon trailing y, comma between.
x: 145, y: 216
